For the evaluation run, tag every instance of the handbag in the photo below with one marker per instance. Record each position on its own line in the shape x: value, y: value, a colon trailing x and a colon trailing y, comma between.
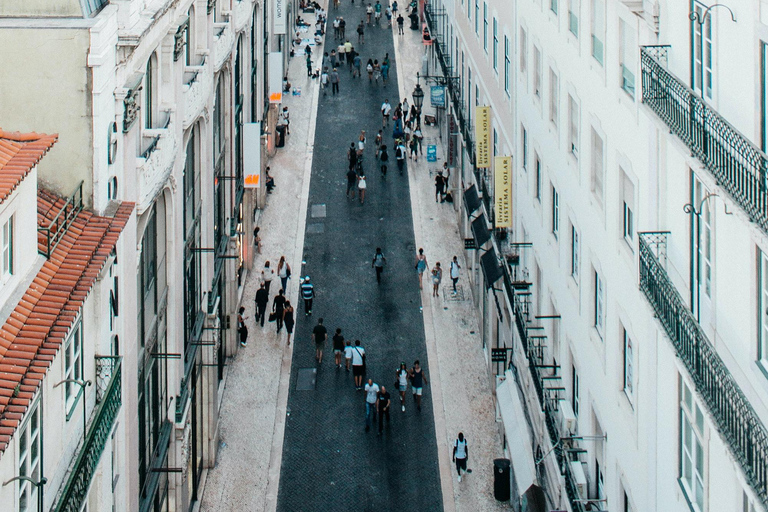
x: 272, y: 316
x: 287, y: 270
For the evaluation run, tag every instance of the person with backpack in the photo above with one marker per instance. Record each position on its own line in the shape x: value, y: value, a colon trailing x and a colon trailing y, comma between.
x: 361, y: 32
x: 261, y: 300
x: 371, y: 403
x: 400, y: 153
x: 358, y: 364
x: 455, y: 267
x: 460, y: 454
x: 241, y: 328
x: 352, y: 156
x: 308, y: 294
x: 378, y: 263
x: 418, y: 379
x: 384, y: 158
x: 283, y: 272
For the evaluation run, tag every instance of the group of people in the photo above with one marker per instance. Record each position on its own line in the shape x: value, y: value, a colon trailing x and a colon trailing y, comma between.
x: 378, y: 401
x: 436, y: 274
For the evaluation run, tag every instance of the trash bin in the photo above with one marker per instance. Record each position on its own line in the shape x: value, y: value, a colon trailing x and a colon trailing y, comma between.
x: 501, y: 479
x: 280, y: 139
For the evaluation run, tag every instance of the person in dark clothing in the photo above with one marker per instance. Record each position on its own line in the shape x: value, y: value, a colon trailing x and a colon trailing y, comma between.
x: 308, y: 294
x: 277, y: 308
x: 262, y: 299
x: 338, y: 348
x: 319, y: 335
x: 241, y: 328
x: 378, y: 263
x: 352, y: 156
x: 383, y: 158
x: 351, y: 183
x: 384, y: 403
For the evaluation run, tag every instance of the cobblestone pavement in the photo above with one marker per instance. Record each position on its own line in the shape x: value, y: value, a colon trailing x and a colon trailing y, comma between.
x: 329, y: 461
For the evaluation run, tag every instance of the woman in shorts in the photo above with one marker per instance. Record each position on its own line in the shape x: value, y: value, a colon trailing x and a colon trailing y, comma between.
x: 288, y: 319
x: 402, y: 383
x: 338, y: 347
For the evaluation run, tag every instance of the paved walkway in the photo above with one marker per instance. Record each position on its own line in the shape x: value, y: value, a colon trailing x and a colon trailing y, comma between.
x: 254, y: 410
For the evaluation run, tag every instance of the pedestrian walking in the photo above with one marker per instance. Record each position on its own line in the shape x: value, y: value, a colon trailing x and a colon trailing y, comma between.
x: 369, y: 13
x: 324, y: 81
x: 334, y: 76
x: 348, y: 353
x: 257, y: 239
x: 336, y: 25
x: 379, y: 138
x: 400, y: 22
x: 421, y: 265
x: 437, y: 276
x: 400, y: 155
x: 378, y: 263
x: 418, y: 379
x: 356, y: 63
x: 326, y: 61
x: 361, y: 144
x: 352, y: 156
x: 319, y: 335
x: 308, y: 294
x: 439, y: 186
x: 283, y: 272
x: 369, y: 70
x: 285, y: 120
x: 351, y: 183
x: 278, y: 306
x: 261, y: 300
x: 384, y: 401
x: 401, y: 383
x: 419, y: 138
x: 377, y: 13
x: 414, y: 147
x: 383, y: 158
x: 386, y: 108
x: 342, y: 28
x: 309, y: 64
x: 358, y: 364
x: 455, y: 267
x: 389, y: 17
x: 371, y: 403
x: 376, y: 71
x: 267, y: 275
x: 361, y: 32
x: 288, y: 319
x: 242, y: 330
x: 338, y: 348
x: 361, y: 186
x: 461, y: 454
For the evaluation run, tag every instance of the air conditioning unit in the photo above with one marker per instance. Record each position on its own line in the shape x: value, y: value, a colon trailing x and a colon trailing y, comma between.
x: 579, y: 478
x: 567, y: 418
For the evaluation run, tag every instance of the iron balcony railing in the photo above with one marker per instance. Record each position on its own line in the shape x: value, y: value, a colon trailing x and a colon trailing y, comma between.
x: 736, y: 163
x: 734, y: 416
x: 109, y: 400
x: 58, y: 226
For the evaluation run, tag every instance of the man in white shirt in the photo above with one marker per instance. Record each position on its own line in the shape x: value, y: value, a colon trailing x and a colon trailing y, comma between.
x: 358, y: 364
x: 386, y: 108
x: 460, y: 454
x: 371, y: 403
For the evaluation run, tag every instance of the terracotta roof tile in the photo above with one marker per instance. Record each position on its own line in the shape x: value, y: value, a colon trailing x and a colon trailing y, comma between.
x: 19, y: 153
x: 32, y: 335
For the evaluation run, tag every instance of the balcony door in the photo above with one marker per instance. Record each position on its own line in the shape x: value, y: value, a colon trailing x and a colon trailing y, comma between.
x: 703, y: 255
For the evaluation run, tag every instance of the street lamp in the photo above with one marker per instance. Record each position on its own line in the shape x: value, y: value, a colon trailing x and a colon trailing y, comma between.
x: 37, y: 484
x: 418, y: 95
x: 83, y: 385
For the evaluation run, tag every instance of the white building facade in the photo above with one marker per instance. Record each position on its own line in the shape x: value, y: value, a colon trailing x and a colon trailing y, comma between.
x: 633, y: 306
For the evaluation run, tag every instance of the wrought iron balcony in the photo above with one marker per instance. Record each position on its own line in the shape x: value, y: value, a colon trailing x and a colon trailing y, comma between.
x: 734, y: 416
x: 58, y: 226
x: 109, y: 399
x: 736, y: 163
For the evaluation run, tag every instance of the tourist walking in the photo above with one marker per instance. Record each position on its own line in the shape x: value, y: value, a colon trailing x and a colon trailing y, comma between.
x: 358, y: 364
x: 455, y: 267
x: 342, y: 28
x: 379, y: 139
x: 361, y: 186
x: 386, y: 108
x: 324, y: 81
x: 377, y: 13
x: 400, y: 22
x: 460, y: 454
x: 437, y: 276
x: 369, y: 70
x: 308, y: 294
x: 261, y: 300
x: 288, y: 319
x: 400, y: 155
x: 439, y: 186
x: 338, y: 347
x: 378, y: 263
x: 401, y: 383
x: 348, y: 353
x: 421, y: 265
x: 418, y: 379
x: 357, y: 63
x: 242, y: 330
x: 257, y: 239
x: 278, y: 305
x: 309, y: 64
x: 283, y: 272
x: 383, y: 159
x: 352, y: 156
x: 319, y: 335
x: 371, y: 401
x: 384, y: 402
x: 361, y: 145
x: 351, y: 183
x: 361, y: 32
x: 267, y: 275
x: 334, y: 77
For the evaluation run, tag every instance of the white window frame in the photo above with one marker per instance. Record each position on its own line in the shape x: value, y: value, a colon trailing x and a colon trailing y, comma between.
x: 554, y: 6
x: 29, y: 440
x: 506, y: 65
x: 485, y: 27
x: 496, y: 45
x: 762, y: 309
x: 598, y: 31
x: 708, y: 53
x: 597, y: 181
x: 573, y: 126
x: 537, y: 168
x: 629, y: 365
x: 575, y: 390
x: 7, y: 255
x: 599, y: 305
x: 573, y: 16
x: 555, y: 212
x: 477, y: 18
x: 628, y: 208
x: 73, y: 366
x: 554, y: 98
x: 627, y: 53
x: 692, y: 445
x: 523, y: 50
x: 537, y: 72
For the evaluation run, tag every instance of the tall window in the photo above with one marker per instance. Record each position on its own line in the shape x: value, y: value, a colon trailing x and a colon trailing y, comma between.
x: 575, y: 390
x: 598, y: 30
x: 506, y: 64
x: 477, y: 17
x: 554, y: 97
x: 628, y: 208
x: 629, y: 365
x: 523, y: 50
x: 485, y: 27
x: 149, y: 85
x: 537, y: 71
x: 628, y: 51
x: 73, y: 366
x: 702, y: 42
x: 573, y: 16
x: 7, y: 248
x: 29, y: 459
x: 706, y: 240
x: 691, y: 447
x: 598, y: 166
x: 574, y: 253
x: 495, y: 45
x: 537, y: 165
x: 524, y: 143
x: 573, y: 126
x: 762, y: 308
x: 599, y: 319
x: 555, y: 212
x: 554, y: 5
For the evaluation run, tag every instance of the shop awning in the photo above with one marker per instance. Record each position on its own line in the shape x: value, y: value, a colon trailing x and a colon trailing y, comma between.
x: 480, y: 231
x: 471, y: 200
x: 516, y: 430
x: 491, y: 268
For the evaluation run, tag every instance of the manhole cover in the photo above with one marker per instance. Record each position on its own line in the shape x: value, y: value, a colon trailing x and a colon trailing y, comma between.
x: 315, y: 229
x: 318, y: 211
x: 307, y: 379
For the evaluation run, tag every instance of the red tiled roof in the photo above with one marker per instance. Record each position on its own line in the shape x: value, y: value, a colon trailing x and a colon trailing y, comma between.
x: 19, y: 153
x: 35, y: 330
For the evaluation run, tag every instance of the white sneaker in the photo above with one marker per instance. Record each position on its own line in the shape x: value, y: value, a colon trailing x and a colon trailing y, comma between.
x: 459, y: 478
x: 403, y: 408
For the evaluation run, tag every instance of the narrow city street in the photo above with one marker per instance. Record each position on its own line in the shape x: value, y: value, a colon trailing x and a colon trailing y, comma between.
x: 329, y: 461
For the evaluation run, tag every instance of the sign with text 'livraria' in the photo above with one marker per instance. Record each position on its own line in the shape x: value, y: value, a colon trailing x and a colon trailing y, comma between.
x: 502, y: 192
x: 483, y: 137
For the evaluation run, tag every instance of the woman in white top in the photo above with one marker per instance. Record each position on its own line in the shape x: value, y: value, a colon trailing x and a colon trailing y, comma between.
x: 455, y: 273
x: 361, y: 186
x: 283, y: 272
x: 267, y: 275
x: 401, y: 383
